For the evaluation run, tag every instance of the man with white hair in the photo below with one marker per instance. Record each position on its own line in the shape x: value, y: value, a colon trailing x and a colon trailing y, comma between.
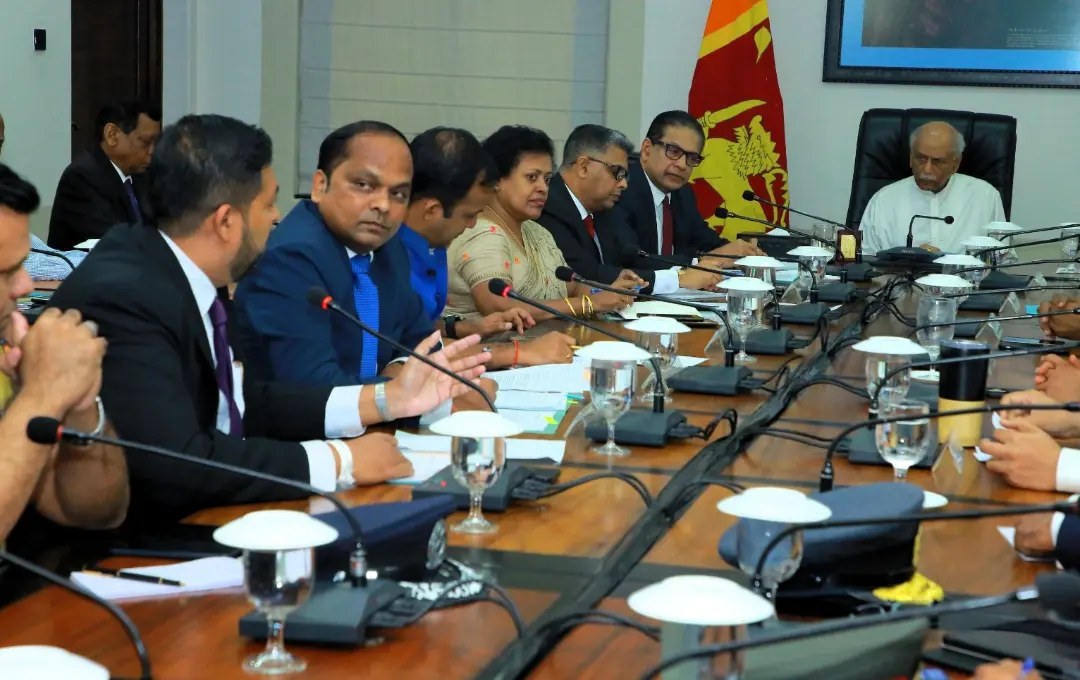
x: 935, y: 189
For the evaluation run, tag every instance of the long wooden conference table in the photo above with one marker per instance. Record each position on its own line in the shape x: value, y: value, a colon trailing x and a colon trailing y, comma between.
x: 588, y: 547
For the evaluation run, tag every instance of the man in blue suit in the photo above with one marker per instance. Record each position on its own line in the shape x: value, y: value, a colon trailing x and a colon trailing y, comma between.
x: 343, y: 240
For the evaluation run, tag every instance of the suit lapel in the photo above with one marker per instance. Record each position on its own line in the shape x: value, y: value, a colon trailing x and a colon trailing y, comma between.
x: 561, y: 206
x: 158, y: 251
x: 641, y: 193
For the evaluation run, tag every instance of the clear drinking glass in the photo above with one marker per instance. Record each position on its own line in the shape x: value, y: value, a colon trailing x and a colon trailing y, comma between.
x: 477, y: 464
x: 827, y: 234
x: 743, y: 319
x: 906, y: 442
x: 1070, y: 236
x: 665, y: 349
x: 880, y: 365
x: 752, y: 536
x: 277, y: 583
x: 973, y: 273
x: 940, y: 311
x: 611, y: 387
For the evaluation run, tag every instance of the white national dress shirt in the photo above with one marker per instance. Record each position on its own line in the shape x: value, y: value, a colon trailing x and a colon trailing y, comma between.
x: 972, y: 203
x: 342, y: 407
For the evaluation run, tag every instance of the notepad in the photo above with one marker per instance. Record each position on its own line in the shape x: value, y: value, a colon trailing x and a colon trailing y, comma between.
x: 198, y: 576
x: 548, y: 378
x: 520, y: 400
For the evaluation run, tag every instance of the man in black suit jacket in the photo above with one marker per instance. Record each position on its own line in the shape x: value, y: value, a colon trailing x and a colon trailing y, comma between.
x: 590, y: 182
x: 104, y: 186
x: 658, y: 204
x: 169, y: 375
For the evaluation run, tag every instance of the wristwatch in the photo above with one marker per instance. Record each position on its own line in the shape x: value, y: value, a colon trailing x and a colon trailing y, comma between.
x: 449, y: 321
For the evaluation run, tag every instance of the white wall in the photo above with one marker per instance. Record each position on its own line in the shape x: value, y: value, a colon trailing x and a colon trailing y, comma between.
x: 822, y: 119
x: 212, y: 58
x: 35, y: 99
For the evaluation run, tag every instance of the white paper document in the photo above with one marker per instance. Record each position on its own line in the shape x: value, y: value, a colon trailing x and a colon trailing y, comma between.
x: 520, y: 400
x: 657, y: 308
x: 534, y: 422
x: 566, y: 378
x: 687, y: 362
x: 88, y: 244
x: 198, y: 576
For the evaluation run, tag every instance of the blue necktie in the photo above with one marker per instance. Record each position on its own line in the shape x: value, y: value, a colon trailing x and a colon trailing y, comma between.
x: 129, y: 189
x: 219, y: 321
x: 366, y: 300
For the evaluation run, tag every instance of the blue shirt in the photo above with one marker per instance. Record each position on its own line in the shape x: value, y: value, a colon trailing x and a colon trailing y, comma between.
x: 43, y: 267
x: 428, y: 271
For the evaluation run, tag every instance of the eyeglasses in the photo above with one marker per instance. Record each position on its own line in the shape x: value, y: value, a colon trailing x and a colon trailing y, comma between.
x: 617, y: 171
x: 675, y: 152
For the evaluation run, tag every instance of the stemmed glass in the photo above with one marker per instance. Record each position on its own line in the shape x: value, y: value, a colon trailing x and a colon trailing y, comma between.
x: 476, y: 464
x: 938, y: 314
x: 743, y: 319
x: 665, y: 349
x: 880, y: 365
x: 277, y: 583
x: 611, y: 388
x: 904, y: 443
x: 1069, y: 239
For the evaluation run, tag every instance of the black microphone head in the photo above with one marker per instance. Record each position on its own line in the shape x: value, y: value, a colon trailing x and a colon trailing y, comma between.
x: 499, y: 287
x: 1060, y: 594
x: 722, y: 213
x: 564, y: 274
x: 749, y: 195
x: 42, y: 430
x: 949, y: 219
x: 318, y: 296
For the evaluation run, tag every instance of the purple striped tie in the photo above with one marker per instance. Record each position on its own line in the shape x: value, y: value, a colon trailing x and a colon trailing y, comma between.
x: 219, y: 320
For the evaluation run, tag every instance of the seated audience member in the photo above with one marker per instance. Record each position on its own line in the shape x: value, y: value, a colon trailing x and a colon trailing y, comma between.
x: 104, y: 186
x: 1062, y: 325
x: 52, y: 370
x: 343, y: 240
x: 48, y: 264
x: 452, y: 182
x: 508, y: 244
x: 169, y: 376
x: 936, y: 189
x: 659, y: 205
x: 589, y: 183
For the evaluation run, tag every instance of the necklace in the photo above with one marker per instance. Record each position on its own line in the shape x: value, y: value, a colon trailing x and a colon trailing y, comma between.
x: 506, y: 227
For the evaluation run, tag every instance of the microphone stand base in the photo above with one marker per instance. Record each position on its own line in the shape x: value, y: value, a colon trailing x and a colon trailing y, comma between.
x: 862, y: 450
x: 336, y: 613
x: 857, y: 272
x: 982, y: 303
x: 836, y: 292
x: 772, y: 342
x: 723, y: 380
x: 808, y: 313
x: 998, y: 279
x: 905, y: 254
x: 638, y: 427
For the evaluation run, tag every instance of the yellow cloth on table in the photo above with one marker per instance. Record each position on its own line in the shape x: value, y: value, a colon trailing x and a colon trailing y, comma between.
x: 916, y: 590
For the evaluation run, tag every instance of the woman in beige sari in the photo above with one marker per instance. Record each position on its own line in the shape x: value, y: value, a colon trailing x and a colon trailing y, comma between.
x: 508, y: 244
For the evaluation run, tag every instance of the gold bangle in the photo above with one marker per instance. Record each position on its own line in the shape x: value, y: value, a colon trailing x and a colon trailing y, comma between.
x: 587, y: 307
x: 571, y: 306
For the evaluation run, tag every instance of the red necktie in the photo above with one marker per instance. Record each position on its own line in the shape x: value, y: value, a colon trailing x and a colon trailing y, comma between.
x: 668, y: 246
x: 590, y: 229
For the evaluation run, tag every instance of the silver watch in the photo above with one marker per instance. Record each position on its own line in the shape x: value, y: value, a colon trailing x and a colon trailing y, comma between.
x: 381, y: 404
x: 100, y: 429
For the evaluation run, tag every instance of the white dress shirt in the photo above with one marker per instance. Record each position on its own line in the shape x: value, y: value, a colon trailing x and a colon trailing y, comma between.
x: 342, y: 407
x: 124, y: 177
x: 971, y: 202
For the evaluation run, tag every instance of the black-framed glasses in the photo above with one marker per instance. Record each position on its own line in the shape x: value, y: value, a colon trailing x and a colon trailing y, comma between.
x: 675, y: 152
x: 617, y: 171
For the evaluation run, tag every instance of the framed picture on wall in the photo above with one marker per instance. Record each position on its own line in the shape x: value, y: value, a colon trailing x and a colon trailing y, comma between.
x: 1019, y: 43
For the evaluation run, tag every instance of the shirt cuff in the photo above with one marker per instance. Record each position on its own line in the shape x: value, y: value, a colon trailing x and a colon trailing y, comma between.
x: 666, y: 281
x: 342, y: 419
x: 1068, y: 470
x: 322, y: 465
x: 399, y: 360
x: 1055, y: 526
x: 436, y: 414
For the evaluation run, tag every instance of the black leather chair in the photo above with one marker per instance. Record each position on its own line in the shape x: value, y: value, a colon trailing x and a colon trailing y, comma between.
x: 883, y: 150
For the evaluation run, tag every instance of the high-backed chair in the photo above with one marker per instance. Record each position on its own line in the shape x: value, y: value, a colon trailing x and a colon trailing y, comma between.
x: 883, y: 150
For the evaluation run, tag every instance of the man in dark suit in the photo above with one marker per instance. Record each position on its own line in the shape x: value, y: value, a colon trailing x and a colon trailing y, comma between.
x: 344, y: 240
x: 104, y: 186
x: 658, y: 204
x: 589, y: 184
x: 169, y: 375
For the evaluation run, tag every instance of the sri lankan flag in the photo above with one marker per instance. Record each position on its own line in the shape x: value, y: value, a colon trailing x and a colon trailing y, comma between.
x: 735, y: 97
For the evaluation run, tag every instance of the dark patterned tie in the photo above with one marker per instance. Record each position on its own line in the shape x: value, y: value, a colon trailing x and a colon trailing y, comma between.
x: 129, y: 189
x: 668, y: 246
x: 219, y: 320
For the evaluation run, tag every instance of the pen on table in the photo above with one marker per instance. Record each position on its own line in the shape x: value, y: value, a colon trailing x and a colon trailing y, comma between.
x: 1025, y: 670
x: 101, y: 571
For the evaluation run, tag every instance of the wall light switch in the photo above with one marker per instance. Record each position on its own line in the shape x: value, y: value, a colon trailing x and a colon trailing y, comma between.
x: 39, y: 39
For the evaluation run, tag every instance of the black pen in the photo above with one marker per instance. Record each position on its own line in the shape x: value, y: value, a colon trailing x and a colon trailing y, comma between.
x: 101, y: 571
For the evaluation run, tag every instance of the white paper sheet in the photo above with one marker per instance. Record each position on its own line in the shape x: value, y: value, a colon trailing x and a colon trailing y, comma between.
x: 534, y: 422
x: 655, y: 308
x: 519, y: 400
x: 687, y: 362
x: 198, y: 576
x: 566, y: 378
x: 88, y: 244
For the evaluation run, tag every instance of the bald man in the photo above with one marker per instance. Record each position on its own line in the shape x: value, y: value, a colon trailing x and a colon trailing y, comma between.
x: 935, y: 188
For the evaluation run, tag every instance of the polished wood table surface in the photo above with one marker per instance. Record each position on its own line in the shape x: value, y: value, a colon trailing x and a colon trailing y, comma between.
x: 549, y: 554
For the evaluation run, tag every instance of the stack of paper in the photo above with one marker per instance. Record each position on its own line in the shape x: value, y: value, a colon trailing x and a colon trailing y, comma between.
x: 561, y: 378
x: 430, y: 453
x: 198, y: 576
x: 656, y: 308
x: 520, y: 400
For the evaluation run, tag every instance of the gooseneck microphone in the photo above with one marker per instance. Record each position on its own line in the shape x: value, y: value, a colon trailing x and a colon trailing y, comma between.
x: 568, y: 275
x: 1068, y: 507
x: 948, y: 219
x: 318, y: 297
x: 724, y: 213
x: 1029, y: 263
x: 827, y: 473
x: 1006, y: 291
x: 42, y: 430
x: 995, y: 249
x: 72, y: 587
x: 908, y: 251
x: 749, y: 195
x: 1017, y: 317
x: 51, y: 253
x: 632, y: 251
